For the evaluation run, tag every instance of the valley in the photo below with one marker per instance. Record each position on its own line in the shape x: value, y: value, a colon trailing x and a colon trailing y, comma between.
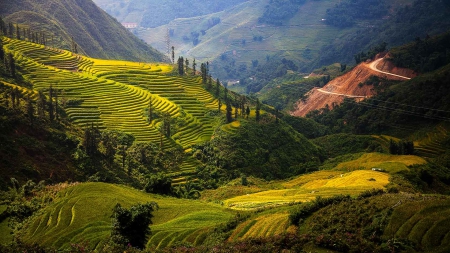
x: 247, y: 132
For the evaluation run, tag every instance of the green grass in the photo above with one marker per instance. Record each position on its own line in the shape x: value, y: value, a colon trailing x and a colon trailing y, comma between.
x: 82, y: 213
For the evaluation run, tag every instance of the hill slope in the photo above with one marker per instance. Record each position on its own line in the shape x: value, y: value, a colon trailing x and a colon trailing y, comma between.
x: 350, y: 85
x: 71, y: 218
x: 96, y: 33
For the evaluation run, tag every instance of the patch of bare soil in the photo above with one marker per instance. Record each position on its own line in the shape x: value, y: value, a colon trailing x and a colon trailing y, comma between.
x: 348, y: 85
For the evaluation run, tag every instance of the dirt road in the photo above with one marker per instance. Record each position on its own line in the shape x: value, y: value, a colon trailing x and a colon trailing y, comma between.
x: 373, y: 66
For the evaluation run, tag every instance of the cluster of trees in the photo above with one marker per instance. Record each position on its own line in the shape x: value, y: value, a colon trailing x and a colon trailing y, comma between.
x: 423, y: 55
x: 280, y: 10
x: 43, y: 109
x: 144, y: 158
x: 221, y: 92
x: 131, y: 227
x: 23, y: 33
x: 370, y: 55
x: 348, y: 12
x: 267, y: 150
x: 401, y: 147
x: 161, y: 183
x: 8, y: 60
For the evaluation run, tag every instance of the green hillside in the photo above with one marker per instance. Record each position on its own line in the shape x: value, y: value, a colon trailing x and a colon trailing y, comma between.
x: 71, y: 218
x: 96, y: 33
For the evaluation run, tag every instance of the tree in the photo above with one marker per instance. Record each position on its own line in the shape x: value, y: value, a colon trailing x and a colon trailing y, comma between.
x: 159, y: 184
x: 2, y: 27
x: 217, y: 88
x: 166, y: 124
x: 229, y: 111
x: 257, y: 110
x: 150, y: 111
x: 2, y: 52
x: 236, y: 112
x: 225, y: 94
x: 12, y: 65
x: 186, y: 65
x: 209, y: 85
x: 173, y: 54
x: 41, y: 103
x: 10, y: 30
x: 91, y: 140
x: 17, y: 32
x: 180, y: 66
x: 220, y: 104
x: 30, y: 109
x: 204, y: 73
x: 247, y: 111
x: 51, y: 111
x: 74, y: 46
x: 56, y: 105
x: 131, y: 226
x: 194, y: 65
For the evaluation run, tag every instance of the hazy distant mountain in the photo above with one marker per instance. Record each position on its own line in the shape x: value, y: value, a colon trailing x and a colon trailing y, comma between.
x: 153, y: 13
x: 96, y: 33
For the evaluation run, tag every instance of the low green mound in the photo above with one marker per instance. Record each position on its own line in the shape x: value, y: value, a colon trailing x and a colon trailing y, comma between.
x: 82, y: 213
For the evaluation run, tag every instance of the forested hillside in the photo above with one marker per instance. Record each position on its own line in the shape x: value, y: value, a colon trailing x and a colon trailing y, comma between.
x: 64, y: 23
x: 151, y: 13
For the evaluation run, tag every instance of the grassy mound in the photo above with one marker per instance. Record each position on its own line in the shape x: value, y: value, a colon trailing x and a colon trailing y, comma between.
x: 72, y: 217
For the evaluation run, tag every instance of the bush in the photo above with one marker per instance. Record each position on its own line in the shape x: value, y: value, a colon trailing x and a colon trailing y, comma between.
x: 131, y: 226
x: 296, y: 217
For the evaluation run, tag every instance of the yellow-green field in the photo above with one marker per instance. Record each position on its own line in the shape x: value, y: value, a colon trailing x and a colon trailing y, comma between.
x: 82, y: 213
x: 351, y: 183
x: 390, y: 163
x: 424, y: 221
x: 116, y: 95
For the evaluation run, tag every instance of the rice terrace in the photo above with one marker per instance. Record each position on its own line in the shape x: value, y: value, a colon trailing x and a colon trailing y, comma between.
x: 108, y: 145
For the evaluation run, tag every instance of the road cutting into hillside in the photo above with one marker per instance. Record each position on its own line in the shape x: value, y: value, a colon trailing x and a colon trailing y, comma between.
x: 350, y: 85
x: 374, y: 64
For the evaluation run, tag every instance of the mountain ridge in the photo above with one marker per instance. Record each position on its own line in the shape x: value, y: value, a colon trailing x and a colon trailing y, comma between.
x: 96, y: 33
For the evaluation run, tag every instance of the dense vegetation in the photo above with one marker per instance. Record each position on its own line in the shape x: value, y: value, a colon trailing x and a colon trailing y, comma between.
x: 268, y: 150
x: 348, y: 12
x: 423, y: 55
x: 278, y: 11
x: 403, y: 26
x: 96, y: 33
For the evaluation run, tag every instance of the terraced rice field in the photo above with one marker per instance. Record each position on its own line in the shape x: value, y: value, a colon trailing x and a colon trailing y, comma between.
x: 71, y: 218
x: 423, y: 222
x: 431, y: 145
x: 390, y: 163
x: 115, y: 95
x: 262, y: 226
x: 333, y: 184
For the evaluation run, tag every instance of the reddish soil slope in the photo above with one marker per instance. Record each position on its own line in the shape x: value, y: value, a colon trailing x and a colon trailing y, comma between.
x: 347, y: 85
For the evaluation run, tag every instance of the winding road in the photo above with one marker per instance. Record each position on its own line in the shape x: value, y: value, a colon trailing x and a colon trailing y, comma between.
x: 372, y: 66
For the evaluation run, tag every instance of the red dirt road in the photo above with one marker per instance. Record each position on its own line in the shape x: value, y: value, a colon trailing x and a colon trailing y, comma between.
x: 347, y: 85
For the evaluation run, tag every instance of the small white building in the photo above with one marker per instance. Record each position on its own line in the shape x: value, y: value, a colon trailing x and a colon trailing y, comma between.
x: 130, y: 25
